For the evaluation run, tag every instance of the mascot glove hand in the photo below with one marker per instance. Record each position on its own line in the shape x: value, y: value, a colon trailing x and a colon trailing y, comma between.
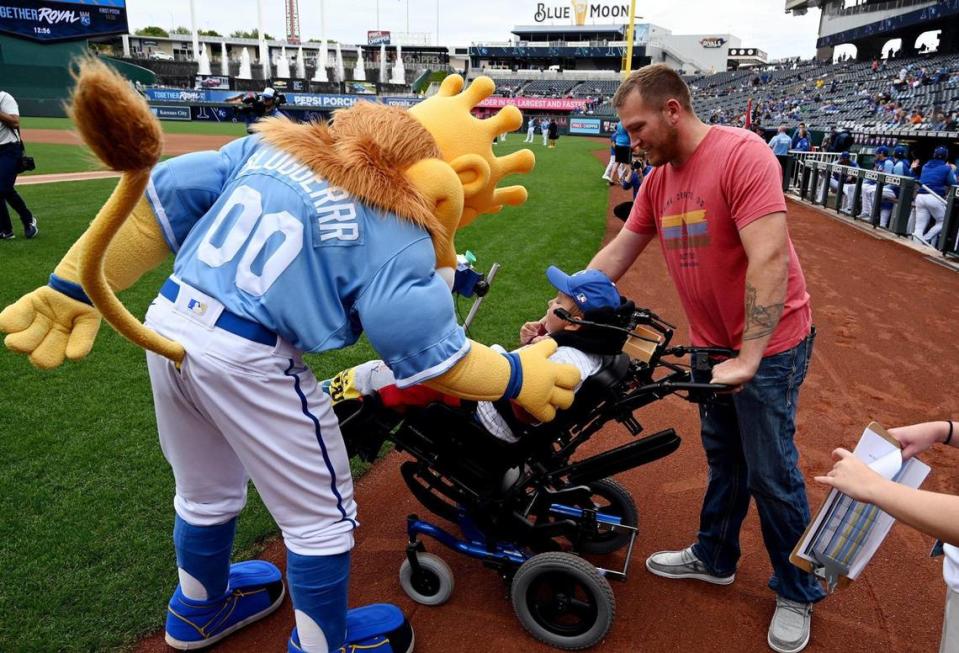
x: 48, y: 326
x: 546, y: 386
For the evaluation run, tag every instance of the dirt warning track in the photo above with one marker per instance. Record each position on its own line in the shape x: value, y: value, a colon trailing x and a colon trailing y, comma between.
x: 885, y: 351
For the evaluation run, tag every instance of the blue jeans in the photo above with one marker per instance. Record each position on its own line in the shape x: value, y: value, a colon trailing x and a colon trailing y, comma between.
x: 748, y: 439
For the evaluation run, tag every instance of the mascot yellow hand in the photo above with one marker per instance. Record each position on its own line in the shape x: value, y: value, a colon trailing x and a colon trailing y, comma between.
x: 526, y: 376
x: 546, y: 386
x: 48, y: 326
x: 58, y: 321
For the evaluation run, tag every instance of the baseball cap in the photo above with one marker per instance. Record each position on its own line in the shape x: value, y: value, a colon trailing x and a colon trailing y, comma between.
x: 844, y: 155
x: 941, y: 152
x: 590, y: 289
x: 882, y: 149
x: 268, y: 92
x: 900, y: 151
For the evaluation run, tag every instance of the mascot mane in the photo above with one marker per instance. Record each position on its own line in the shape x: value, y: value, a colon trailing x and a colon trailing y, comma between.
x: 364, y: 151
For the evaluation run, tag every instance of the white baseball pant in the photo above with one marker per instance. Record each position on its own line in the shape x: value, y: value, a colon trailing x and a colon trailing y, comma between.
x: 238, y: 410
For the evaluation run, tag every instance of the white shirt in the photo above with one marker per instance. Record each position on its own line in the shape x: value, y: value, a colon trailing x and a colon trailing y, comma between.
x: 950, y: 566
x: 587, y: 364
x: 8, y: 105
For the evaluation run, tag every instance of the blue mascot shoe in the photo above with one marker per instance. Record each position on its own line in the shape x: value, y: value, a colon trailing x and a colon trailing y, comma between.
x: 377, y: 628
x: 255, y: 590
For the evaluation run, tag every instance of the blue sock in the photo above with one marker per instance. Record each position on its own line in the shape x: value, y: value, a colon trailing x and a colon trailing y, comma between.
x: 318, y: 587
x: 203, y: 552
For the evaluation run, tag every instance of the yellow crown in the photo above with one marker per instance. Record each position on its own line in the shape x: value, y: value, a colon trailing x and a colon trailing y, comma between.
x: 462, y: 138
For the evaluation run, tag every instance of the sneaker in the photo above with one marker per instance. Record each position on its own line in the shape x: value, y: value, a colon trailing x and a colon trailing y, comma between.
x: 684, y: 564
x: 255, y: 590
x: 377, y: 628
x: 790, y: 627
x: 31, y: 230
x: 607, y: 178
x: 6, y: 235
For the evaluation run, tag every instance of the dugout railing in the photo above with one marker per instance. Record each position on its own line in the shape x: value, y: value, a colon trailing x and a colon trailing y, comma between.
x: 812, y: 178
x: 798, y: 159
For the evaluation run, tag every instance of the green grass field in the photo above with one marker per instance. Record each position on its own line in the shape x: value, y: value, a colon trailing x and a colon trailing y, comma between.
x: 169, y: 126
x: 85, y: 495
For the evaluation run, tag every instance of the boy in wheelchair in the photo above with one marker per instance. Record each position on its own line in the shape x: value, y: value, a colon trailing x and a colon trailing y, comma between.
x: 588, y: 294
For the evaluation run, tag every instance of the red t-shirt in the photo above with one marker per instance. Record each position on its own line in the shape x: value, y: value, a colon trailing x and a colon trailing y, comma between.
x: 697, y: 209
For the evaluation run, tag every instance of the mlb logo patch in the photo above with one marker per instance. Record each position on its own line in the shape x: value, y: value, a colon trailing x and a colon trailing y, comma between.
x: 581, y: 298
x: 196, y: 306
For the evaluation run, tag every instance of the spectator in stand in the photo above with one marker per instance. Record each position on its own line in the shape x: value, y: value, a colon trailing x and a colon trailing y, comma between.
x: 916, y: 118
x: 937, y: 176
x: 800, y: 128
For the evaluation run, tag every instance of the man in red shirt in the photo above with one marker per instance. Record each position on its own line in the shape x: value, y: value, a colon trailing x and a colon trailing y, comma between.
x: 715, y: 203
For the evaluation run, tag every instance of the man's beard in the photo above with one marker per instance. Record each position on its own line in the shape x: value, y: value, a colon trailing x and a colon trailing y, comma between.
x: 666, y: 150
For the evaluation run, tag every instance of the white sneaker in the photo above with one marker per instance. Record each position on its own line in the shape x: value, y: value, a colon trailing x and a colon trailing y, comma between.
x: 684, y: 564
x: 790, y: 627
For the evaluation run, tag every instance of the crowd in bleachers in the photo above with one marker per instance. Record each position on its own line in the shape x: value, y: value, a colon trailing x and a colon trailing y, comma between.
x: 921, y: 93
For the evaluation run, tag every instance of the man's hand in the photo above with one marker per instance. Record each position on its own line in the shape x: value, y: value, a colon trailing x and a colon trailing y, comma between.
x: 852, y: 477
x: 48, y: 326
x: 734, y: 372
x: 547, y: 386
x: 532, y: 331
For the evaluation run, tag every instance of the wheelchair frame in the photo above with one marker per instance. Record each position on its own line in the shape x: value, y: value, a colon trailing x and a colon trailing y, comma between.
x: 512, y: 502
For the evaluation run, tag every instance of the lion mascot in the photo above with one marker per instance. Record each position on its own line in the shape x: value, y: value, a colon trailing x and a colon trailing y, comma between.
x: 296, y: 239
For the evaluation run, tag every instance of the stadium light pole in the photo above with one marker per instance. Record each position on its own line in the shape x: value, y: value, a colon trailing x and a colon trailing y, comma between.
x: 628, y: 66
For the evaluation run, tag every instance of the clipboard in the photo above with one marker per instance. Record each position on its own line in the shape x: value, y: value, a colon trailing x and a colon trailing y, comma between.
x: 877, y: 523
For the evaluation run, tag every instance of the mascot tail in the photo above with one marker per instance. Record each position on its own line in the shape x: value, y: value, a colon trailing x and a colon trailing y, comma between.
x: 116, y: 123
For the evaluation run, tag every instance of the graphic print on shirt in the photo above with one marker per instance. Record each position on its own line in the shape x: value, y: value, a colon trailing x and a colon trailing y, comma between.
x: 684, y: 226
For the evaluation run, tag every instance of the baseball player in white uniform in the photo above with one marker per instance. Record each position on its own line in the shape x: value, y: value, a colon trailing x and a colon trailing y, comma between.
x: 937, y: 175
x: 530, y: 130
x: 544, y: 126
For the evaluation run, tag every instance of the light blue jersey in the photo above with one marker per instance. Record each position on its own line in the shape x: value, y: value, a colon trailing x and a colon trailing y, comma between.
x: 259, y: 232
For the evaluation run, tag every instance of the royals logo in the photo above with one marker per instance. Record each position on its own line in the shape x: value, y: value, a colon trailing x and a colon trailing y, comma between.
x: 85, y: 18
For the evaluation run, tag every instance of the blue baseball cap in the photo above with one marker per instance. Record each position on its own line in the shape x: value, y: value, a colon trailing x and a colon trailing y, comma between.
x: 900, y: 151
x: 590, y: 289
x: 941, y: 152
x: 844, y: 155
x: 882, y: 149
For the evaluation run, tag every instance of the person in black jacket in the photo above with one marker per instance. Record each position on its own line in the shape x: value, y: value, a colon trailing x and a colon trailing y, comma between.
x: 553, y: 133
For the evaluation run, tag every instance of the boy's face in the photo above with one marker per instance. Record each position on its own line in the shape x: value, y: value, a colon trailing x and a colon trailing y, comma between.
x: 553, y: 322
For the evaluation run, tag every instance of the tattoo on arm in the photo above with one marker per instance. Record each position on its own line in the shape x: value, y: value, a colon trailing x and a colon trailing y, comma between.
x: 761, y: 320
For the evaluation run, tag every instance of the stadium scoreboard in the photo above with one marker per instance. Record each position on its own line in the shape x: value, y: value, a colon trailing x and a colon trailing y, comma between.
x: 53, y: 20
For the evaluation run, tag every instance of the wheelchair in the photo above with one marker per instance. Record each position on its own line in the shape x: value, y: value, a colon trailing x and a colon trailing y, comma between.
x: 531, y: 510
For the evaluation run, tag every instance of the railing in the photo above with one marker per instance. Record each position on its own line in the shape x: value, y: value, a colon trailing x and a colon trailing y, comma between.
x: 799, y: 159
x: 812, y: 183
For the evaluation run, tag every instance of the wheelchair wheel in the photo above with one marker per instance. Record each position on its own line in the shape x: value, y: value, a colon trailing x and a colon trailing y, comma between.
x: 611, y: 498
x: 562, y: 600
x: 432, y: 585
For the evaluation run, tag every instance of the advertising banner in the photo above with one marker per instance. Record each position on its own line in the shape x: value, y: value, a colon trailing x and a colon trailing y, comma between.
x: 400, y: 101
x: 51, y: 20
x: 378, y: 37
x: 584, y: 126
x: 171, y: 113
x: 361, y: 88
x: 211, y: 81
x: 543, y: 104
